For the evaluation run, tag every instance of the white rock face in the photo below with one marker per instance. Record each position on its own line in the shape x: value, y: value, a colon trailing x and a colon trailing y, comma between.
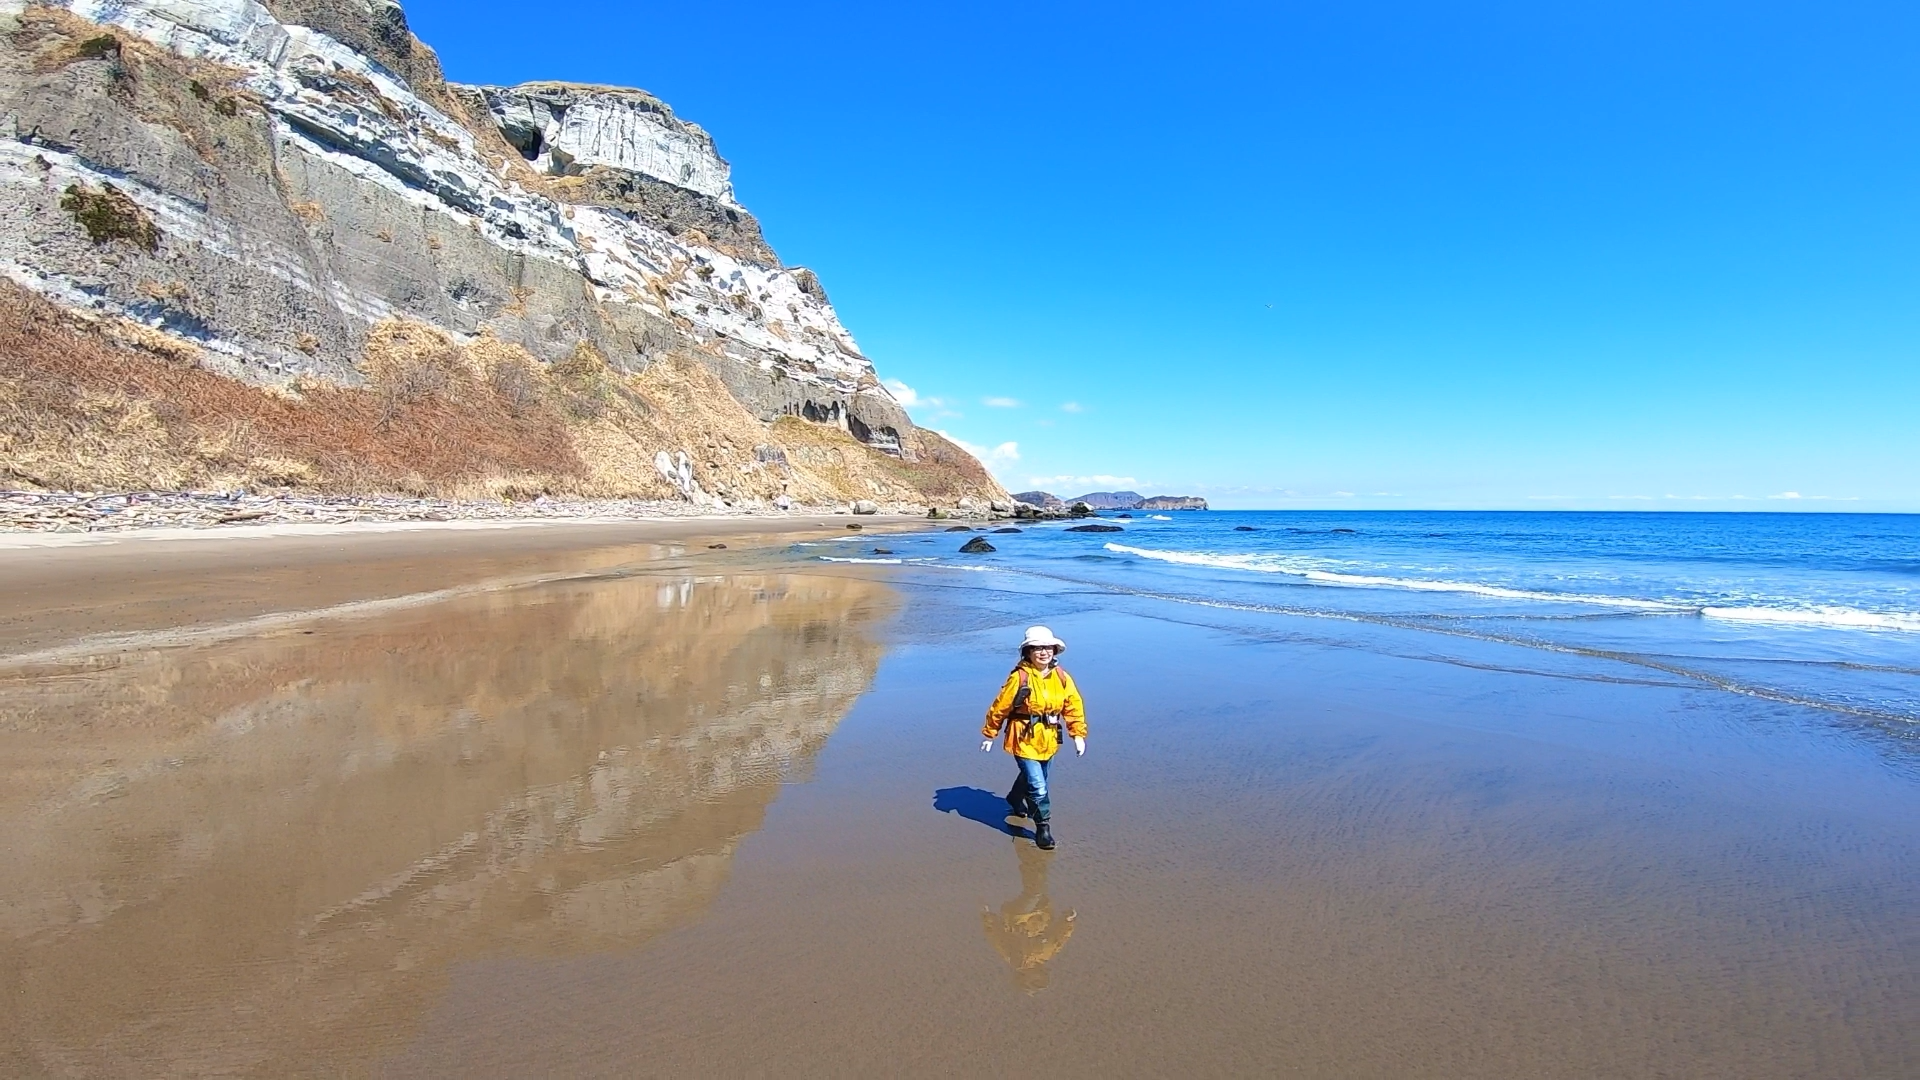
x: 316, y: 94
x: 569, y: 127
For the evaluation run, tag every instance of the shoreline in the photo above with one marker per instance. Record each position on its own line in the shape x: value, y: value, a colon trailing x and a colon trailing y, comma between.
x: 91, y: 514
x: 275, y: 530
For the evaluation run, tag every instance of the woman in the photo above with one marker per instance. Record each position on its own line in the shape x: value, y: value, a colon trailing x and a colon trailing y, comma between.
x: 1033, y: 702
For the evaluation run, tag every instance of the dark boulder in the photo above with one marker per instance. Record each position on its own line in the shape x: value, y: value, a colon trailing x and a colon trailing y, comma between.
x: 1007, y: 530
x: 1096, y: 528
x: 977, y: 546
x: 959, y: 528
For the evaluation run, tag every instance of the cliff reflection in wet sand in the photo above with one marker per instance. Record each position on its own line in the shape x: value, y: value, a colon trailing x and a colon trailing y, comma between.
x: 263, y: 856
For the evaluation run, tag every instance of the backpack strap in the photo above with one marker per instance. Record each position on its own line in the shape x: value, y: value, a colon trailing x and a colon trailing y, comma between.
x: 1018, y: 709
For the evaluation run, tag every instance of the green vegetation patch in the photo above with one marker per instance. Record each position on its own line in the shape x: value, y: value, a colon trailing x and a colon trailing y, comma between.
x: 109, y: 215
x: 104, y: 47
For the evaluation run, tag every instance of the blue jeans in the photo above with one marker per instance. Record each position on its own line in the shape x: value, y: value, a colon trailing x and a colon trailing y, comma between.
x: 1032, y: 781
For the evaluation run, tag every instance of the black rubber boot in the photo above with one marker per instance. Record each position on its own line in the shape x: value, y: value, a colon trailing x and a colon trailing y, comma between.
x: 1043, y: 834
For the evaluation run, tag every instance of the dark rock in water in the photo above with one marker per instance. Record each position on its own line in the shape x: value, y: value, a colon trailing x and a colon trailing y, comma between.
x: 977, y: 546
x: 854, y: 526
x: 959, y: 528
x: 1340, y: 530
x: 716, y: 547
x: 883, y: 551
x: 1096, y: 528
x: 1007, y: 530
x: 1129, y: 517
x: 1245, y: 528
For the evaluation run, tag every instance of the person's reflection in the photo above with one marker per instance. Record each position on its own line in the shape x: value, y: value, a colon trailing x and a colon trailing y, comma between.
x: 1026, y: 931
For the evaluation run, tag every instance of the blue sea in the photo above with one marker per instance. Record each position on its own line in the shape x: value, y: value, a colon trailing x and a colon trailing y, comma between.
x: 1813, y: 610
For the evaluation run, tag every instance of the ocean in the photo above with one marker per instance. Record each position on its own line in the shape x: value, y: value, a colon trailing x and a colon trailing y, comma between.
x: 1814, y: 610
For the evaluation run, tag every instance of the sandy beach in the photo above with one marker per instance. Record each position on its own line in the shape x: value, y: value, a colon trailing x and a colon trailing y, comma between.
x: 603, y: 800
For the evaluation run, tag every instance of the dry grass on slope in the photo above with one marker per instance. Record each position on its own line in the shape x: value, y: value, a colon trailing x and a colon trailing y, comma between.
x: 89, y: 404
x: 80, y: 410
x: 941, y: 473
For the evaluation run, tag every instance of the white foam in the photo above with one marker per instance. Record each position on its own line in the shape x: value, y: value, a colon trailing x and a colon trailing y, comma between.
x: 880, y: 562
x: 1158, y: 517
x: 1830, y: 616
x: 1850, y: 618
x: 1269, y: 564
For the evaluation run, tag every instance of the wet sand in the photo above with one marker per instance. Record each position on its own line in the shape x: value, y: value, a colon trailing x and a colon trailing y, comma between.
x: 660, y: 811
x: 56, y: 590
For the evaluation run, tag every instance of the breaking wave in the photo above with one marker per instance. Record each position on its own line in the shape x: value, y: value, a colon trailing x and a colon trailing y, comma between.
x: 1839, y: 617
x: 1821, y: 616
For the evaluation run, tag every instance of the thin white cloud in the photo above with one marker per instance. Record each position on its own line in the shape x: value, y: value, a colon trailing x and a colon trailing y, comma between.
x: 1073, y: 407
x: 1343, y: 494
x: 1787, y: 495
x: 910, y: 398
x: 1005, y: 454
x: 1000, y: 403
x: 902, y: 393
x: 1088, y: 483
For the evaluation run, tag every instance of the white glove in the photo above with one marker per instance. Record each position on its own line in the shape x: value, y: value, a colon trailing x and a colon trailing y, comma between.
x: 986, y: 744
x: 1079, y: 744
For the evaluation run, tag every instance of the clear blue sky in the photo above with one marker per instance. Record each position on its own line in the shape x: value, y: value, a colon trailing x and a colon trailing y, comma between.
x: 1608, y: 255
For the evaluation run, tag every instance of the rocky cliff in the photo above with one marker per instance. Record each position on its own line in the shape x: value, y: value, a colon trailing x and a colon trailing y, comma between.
x: 288, y: 195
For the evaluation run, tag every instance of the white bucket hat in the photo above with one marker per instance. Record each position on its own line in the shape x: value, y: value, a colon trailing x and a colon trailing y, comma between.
x: 1039, y: 636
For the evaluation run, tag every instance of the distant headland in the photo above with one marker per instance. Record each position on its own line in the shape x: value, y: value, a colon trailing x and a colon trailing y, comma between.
x: 1113, y: 500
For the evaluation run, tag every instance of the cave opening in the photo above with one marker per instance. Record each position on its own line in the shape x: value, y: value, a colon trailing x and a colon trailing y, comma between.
x: 821, y: 414
x: 526, y: 139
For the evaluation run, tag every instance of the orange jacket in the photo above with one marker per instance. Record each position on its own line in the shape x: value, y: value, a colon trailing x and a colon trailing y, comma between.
x: 1051, y: 693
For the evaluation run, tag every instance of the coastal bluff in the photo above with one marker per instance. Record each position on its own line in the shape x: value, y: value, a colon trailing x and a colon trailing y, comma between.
x: 265, y: 244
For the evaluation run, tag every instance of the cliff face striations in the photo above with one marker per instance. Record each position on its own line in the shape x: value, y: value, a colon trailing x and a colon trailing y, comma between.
x: 288, y: 194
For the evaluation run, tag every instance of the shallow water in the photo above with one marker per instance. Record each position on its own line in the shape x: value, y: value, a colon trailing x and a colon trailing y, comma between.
x: 696, y: 813
x: 1816, y: 609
